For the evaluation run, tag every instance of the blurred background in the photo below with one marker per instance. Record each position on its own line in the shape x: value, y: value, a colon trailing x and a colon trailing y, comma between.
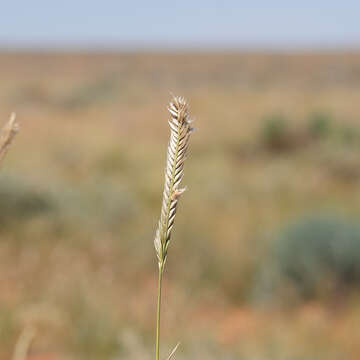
x: 265, y: 257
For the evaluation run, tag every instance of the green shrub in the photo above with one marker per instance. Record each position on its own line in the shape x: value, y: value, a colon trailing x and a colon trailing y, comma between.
x: 89, y: 94
x: 275, y: 132
x: 316, y: 256
x: 320, y: 125
x: 349, y: 135
x: 22, y: 200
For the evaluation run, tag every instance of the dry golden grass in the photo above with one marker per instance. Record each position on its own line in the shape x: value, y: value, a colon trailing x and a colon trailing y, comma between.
x: 180, y: 130
x: 7, y: 135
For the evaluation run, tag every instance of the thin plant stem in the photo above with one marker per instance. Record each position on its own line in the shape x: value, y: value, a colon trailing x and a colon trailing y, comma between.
x: 157, y: 343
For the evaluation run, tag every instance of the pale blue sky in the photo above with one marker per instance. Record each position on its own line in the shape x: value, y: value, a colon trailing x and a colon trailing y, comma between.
x: 116, y: 24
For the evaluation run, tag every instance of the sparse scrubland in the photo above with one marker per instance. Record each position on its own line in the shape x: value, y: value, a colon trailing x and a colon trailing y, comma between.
x: 266, y: 259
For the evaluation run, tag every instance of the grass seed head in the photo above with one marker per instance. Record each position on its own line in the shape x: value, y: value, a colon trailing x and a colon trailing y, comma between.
x: 7, y: 135
x: 180, y: 130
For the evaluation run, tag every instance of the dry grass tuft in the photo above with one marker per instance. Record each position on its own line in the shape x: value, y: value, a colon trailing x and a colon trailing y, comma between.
x: 7, y: 135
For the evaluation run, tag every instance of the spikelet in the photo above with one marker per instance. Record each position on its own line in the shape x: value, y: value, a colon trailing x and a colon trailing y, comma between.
x: 7, y: 134
x: 180, y: 130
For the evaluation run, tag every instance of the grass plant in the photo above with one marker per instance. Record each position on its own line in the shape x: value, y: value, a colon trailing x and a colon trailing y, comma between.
x: 7, y: 135
x: 180, y: 130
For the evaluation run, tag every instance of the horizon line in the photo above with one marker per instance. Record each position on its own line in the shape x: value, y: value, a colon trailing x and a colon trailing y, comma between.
x: 126, y: 48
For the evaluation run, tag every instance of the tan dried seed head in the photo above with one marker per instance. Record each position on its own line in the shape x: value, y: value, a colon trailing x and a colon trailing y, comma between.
x: 180, y: 130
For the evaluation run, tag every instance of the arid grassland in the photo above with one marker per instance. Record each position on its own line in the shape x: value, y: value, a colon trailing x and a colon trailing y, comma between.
x: 266, y: 262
